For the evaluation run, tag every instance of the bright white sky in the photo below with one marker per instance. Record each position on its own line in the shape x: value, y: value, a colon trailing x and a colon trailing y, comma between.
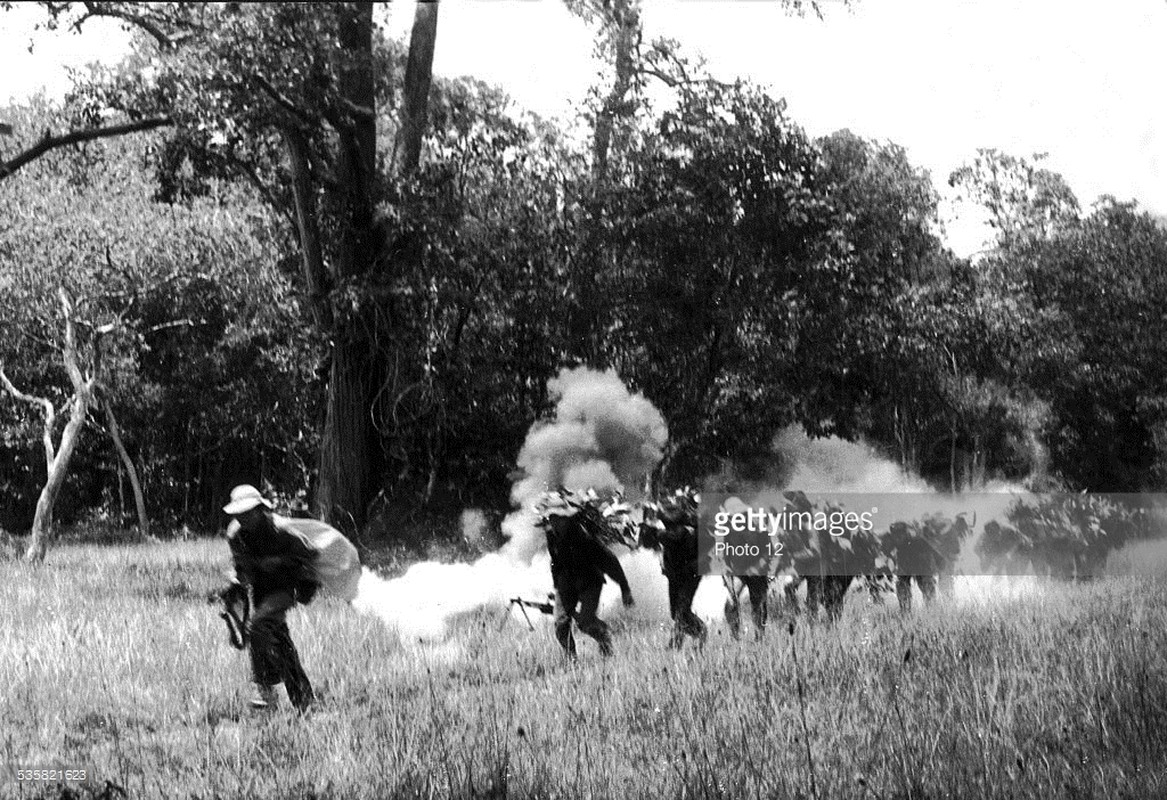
x: 1078, y: 79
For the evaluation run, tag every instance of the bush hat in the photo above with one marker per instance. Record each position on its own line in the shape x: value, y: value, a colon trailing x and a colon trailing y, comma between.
x: 243, y: 499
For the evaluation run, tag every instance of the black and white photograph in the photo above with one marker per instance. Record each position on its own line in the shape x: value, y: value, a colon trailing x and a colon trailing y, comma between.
x: 556, y: 399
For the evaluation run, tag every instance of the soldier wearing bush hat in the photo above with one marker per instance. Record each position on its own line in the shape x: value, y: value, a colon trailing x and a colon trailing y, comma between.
x: 276, y: 562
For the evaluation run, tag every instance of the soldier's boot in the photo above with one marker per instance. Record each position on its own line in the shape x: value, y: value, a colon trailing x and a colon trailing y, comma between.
x: 266, y: 698
x: 596, y: 628
x: 603, y: 638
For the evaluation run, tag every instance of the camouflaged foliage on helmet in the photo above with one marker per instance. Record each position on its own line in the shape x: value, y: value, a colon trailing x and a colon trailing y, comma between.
x: 679, y: 507
x: 604, y: 518
x: 556, y: 504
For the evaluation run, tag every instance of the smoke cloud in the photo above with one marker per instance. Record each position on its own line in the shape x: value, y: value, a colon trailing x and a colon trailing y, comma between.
x: 600, y: 436
x: 836, y: 465
x: 419, y: 605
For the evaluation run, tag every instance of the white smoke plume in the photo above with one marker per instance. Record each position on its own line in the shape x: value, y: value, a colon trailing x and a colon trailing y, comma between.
x: 831, y: 464
x: 419, y: 605
x: 602, y: 436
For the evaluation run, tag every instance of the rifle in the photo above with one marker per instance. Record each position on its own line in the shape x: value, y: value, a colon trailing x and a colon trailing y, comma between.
x: 546, y: 608
x: 236, y: 613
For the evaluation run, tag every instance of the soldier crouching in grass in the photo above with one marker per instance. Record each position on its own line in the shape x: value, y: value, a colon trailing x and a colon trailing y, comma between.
x: 579, y: 562
x: 277, y: 563
x: 674, y: 530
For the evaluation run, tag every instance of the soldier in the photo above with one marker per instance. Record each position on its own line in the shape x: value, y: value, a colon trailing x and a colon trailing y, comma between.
x: 675, y: 531
x: 917, y: 560
x: 277, y: 563
x: 579, y: 562
x: 948, y: 544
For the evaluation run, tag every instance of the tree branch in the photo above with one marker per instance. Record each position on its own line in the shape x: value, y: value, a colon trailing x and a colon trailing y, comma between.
x: 92, y: 10
x: 81, y: 387
x: 178, y: 323
x: 115, y: 434
x: 307, y: 228
x: 49, y: 141
x: 166, y: 41
x: 46, y: 407
x: 361, y: 112
x: 285, y: 102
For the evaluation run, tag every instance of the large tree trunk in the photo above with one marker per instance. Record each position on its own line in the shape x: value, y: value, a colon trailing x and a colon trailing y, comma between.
x: 346, y: 457
x: 350, y: 447
x: 347, y: 448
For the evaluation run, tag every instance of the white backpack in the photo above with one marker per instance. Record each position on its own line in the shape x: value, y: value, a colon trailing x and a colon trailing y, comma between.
x: 337, y: 564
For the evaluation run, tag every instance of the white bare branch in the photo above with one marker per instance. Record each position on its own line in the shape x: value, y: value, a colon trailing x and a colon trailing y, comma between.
x: 50, y: 414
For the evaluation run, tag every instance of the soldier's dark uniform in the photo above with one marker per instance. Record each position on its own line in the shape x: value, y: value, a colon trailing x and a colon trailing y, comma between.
x: 676, y: 536
x: 277, y: 565
x: 578, y: 566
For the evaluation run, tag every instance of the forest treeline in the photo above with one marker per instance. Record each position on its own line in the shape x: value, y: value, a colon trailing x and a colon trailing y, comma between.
x: 301, y: 271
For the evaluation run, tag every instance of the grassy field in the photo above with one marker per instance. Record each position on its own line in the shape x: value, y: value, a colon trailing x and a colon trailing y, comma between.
x: 111, y: 657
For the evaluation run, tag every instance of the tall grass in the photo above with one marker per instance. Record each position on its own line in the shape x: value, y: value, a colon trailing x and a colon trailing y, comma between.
x: 112, y: 657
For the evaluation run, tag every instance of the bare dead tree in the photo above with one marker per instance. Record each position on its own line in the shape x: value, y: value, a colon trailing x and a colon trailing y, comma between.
x: 57, y: 456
